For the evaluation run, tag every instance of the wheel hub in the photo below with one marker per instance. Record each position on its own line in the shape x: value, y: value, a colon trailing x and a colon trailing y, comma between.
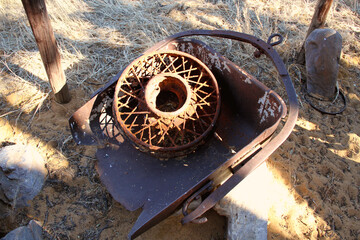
x: 166, y: 103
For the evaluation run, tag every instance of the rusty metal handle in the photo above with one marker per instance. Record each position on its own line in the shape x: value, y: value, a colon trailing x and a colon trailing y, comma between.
x: 281, y: 38
x: 258, y: 52
x: 269, y: 148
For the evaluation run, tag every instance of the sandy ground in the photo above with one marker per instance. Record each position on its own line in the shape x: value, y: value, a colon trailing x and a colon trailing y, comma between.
x: 320, y: 165
x: 317, y: 168
x: 73, y: 203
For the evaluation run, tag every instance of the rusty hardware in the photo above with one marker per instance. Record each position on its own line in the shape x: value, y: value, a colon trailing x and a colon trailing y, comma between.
x: 281, y: 39
x: 197, y: 195
x: 166, y: 103
x: 258, y: 52
x: 312, y: 99
x: 242, y: 138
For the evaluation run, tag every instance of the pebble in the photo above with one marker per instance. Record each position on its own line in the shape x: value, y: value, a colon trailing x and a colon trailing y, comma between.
x: 22, y: 175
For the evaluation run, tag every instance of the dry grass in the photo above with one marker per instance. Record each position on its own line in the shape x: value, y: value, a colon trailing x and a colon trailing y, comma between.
x: 98, y: 38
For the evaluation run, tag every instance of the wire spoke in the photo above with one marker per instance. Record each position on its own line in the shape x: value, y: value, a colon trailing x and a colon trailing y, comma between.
x: 163, y: 130
x: 131, y: 95
x: 142, y: 133
x: 144, y: 128
x: 204, y: 98
x: 130, y: 113
x: 137, y: 77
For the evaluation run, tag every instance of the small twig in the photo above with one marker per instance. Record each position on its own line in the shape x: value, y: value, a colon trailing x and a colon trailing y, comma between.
x: 102, y: 229
x: 5, y: 114
x: 18, y: 117
x: 65, y: 141
x: 46, y: 218
x: 37, y: 109
x: 48, y: 202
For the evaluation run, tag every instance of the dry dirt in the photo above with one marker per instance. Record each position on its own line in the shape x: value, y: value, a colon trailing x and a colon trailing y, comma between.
x: 318, y: 166
x: 73, y: 203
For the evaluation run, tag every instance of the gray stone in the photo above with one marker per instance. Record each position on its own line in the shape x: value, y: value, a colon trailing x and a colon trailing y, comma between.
x: 33, y: 231
x: 322, y: 54
x: 36, y: 229
x: 247, y: 205
x: 22, y: 175
x: 23, y: 233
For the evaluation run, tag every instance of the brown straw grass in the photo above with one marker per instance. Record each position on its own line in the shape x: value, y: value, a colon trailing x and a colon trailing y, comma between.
x: 99, y: 38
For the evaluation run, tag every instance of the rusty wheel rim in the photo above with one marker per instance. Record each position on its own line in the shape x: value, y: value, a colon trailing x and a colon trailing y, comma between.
x: 166, y: 103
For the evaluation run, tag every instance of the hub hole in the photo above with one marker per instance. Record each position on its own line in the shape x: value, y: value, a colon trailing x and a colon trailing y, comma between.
x: 172, y: 95
x: 167, y: 101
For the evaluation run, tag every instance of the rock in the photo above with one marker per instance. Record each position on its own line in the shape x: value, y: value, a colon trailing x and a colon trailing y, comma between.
x: 247, y: 205
x: 322, y: 54
x: 20, y: 233
x: 36, y: 229
x: 33, y: 231
x: 22, y: 175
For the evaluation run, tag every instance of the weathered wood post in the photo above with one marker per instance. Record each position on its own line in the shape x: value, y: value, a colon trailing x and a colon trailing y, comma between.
x: 45, y: 39
x: 318, y: 21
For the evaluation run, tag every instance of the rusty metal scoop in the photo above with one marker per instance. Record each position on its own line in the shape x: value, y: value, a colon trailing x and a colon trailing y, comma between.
x: 159, y: 106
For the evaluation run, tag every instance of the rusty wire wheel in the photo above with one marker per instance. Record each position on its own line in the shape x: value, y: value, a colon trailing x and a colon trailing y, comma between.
x: 166, y: 103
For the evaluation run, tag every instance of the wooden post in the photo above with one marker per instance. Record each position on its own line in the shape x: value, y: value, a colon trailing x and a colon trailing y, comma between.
x: 318, y: 21
x: 45, y: 39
